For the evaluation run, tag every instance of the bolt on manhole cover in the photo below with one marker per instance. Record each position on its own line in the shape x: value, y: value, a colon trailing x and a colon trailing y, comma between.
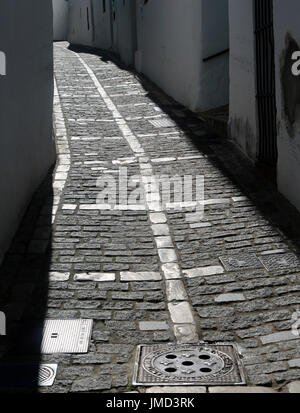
x: 195, y: 364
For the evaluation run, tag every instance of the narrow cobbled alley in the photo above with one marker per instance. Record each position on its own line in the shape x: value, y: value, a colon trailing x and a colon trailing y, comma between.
x: 154, y: 275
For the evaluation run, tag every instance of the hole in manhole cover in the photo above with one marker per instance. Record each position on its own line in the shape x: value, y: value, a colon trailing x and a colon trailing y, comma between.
x: 196, y: 364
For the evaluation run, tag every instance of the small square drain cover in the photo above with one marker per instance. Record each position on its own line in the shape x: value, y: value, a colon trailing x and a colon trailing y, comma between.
x: 66, y: 336
x: 163, y: 123
x: 185, y: 364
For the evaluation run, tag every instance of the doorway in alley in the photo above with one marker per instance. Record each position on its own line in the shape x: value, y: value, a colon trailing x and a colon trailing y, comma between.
x: 265, y: 87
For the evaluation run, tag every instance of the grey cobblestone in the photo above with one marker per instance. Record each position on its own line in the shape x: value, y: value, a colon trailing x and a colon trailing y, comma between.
x: 111, y: 266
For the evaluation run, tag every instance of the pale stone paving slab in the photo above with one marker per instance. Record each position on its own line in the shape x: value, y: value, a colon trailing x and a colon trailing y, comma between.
x: 186, y: 333
x: 229, y: 298
x: 160, y: 229
x: 175, y: 290
x: 153, y: 325
x: 164, y: 242
x: 140, y: 276
x: 158, y: 218
x: 57, y: 276
x: 167, y: 255
x: 204, y: 271
x: 278, y: 337
x: 294, y: 387
x: 171, y: 271
x: 200, y: 225
x: 97, y: 277
x: 294, y: 363
x: 181, y: 313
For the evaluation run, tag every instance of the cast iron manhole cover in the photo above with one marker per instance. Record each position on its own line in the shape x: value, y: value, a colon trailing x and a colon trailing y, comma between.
x: 196, y: 364
x: 280, y: 262
x: 66, y: 336
x: 240, y: 262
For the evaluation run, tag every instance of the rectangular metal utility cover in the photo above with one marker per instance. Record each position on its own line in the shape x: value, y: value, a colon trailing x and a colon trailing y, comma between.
x: 188, y: 365
x: 163, y: 123
x: 66, y: 336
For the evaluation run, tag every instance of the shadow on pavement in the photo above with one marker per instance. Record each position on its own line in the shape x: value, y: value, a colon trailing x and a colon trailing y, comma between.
x: 223, y: 155
x: 23, y: 294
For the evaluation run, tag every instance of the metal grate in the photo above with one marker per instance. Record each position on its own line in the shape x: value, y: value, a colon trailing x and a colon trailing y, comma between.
x: 47, y: 373
x: 163, y: 123
x: 265, y: 79
x: 196, y: 364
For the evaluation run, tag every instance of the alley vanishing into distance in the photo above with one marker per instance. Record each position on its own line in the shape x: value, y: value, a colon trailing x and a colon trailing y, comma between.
x: 150, y: 276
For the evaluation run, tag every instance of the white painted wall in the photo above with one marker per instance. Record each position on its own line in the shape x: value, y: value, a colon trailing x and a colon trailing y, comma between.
x: 27, y: 148
x: 90, y: 23
x: 173, y: 38
x: 286, y: 20
x: 214, y: 89
x: 243, y: 127
x: 81, y: 26
x: 125, y: 36
x: 102, y: 24
x: 60, y: 19
x: 112, y: 26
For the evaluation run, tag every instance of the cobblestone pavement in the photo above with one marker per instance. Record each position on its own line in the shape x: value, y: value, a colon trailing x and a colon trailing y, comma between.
x: 150, y: 276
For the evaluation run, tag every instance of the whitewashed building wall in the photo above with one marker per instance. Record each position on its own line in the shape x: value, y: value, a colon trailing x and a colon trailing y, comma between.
x: 81, y: 27
x: 27, y: 147
x: 243, y: 128
x: 60, y: 19
x: 106, y: 24
x: 173, y: 38
x: 287, y: 40
x: 90, y: 23
x: 124, y: 30
x: 102, y: 14
x: 243, y: 120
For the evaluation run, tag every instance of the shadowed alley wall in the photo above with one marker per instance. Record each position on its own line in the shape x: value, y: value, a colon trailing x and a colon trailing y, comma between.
x: 27, y: 148
x: 60, y: 19
x: 287, y: 40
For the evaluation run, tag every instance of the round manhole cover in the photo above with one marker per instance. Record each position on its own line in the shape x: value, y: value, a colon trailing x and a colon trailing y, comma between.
x: 182, y: 363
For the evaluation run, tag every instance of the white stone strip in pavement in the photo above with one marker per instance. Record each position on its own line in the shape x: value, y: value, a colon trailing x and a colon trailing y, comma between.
x: 140, y: 276
x: 64, y: 156
x: 180, y: 311
x: 204, y: 271
x: 95, y: 276
x: 59, y: 276
x: 279, y: 337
